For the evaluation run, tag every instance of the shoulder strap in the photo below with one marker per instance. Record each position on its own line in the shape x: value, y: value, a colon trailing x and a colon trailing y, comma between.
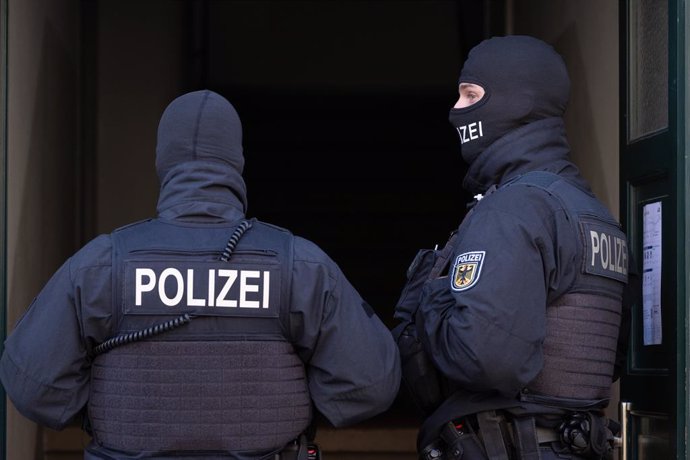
x: 284, y: 241
x: 541, y: 179
x: 443, y: 257
x: 289, y: 330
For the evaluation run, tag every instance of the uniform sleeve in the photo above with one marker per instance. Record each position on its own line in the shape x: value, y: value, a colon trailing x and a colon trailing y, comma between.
x: 484, y: 323
x: 353, y: 366
x: 44, y: 367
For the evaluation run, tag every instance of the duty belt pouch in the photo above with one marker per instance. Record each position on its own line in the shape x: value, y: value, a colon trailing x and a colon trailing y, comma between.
x: 461, y: 444
x: 301, y: 449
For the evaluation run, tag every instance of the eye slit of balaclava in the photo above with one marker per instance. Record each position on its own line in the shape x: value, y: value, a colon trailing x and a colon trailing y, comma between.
x: 484, y: 99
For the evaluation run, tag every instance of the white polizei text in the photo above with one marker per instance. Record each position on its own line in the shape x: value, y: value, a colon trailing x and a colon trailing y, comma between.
x: 220, y: 283
x: 470, y: 132
x: 611, y: 252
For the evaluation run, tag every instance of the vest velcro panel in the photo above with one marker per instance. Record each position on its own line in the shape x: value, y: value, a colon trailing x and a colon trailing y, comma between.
x: 199, y: 396
x: 580, y: 347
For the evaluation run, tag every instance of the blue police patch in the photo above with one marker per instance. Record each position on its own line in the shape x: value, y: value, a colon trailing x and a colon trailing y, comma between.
x: 466, y: 270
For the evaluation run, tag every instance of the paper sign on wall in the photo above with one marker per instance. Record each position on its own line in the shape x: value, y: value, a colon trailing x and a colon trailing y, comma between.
x: 651, y: 273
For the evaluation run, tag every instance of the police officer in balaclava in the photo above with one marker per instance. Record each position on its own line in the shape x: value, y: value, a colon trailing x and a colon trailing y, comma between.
x: 199, y: 333
x: 518, y: 316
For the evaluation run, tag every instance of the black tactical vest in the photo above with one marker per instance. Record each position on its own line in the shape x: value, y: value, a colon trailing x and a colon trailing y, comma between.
x: 582, y: 325
x: 227, y: 380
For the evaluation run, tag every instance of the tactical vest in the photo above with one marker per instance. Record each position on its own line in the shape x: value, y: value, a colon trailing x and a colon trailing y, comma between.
x: 582, y: 324
x: 228, y: 379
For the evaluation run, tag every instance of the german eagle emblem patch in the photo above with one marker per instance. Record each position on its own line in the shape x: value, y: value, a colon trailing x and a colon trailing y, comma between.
x: 466, y: 270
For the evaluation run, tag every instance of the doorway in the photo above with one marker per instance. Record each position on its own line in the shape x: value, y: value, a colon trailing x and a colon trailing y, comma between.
x: 344, y: 105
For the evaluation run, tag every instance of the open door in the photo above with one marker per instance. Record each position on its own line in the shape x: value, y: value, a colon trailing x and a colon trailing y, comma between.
x: 653, y: 390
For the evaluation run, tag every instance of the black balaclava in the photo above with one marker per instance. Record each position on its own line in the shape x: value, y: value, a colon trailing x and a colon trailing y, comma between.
x: 524, y: 80
x: 199, y: 126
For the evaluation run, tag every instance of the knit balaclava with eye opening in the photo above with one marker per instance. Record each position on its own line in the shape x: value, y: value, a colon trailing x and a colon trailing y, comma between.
x: 524, y: 80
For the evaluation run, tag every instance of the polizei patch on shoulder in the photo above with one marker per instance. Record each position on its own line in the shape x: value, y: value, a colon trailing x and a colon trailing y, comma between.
x: 466, y: 270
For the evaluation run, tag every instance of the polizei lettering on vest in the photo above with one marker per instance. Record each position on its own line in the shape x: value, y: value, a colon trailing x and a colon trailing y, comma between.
x: 175, y: 287
x: 608, y: 252
x: 470, y: 132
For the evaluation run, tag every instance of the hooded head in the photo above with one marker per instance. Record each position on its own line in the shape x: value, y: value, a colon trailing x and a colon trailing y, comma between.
x: 199, y: 158
x: 524, y: 80
x: 199, y: 126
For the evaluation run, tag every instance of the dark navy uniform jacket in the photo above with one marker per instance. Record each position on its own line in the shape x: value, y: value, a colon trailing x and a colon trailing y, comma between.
x: 485, y: 329
x: 351, y: 360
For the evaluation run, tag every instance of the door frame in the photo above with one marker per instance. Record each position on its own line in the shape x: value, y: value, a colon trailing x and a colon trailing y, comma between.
x: 673, y: 170
x: 3, y: 207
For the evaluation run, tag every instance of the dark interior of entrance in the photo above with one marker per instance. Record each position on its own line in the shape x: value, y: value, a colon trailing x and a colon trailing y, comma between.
x: 344, y: 107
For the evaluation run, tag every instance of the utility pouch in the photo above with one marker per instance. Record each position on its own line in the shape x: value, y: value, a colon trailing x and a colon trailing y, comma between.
x: 300, y: 449
x: 417, y: 274
x: 418, y: 372
x: 454, y: 444
x: 427, y: 265
x: 419, y: 375
x: 313, y: 452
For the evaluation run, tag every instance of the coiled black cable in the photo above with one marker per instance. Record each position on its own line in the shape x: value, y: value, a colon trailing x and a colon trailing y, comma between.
x: 234, y: 239
x: 140, y: 335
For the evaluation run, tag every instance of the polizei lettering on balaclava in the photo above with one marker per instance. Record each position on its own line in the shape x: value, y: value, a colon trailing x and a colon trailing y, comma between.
x: 215, y: 288
x: 470, y: 132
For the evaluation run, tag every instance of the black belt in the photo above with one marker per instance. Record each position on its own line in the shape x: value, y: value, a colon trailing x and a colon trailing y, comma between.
x: 520, y: 434
x: 500, y: 439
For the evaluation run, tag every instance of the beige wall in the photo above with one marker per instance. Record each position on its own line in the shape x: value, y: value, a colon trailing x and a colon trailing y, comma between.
x: 586, y: 34
x: 42, y: 148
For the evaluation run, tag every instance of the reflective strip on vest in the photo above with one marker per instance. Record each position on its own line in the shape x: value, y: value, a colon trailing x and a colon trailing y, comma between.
x: 155, y: 396
x: 580, y: 347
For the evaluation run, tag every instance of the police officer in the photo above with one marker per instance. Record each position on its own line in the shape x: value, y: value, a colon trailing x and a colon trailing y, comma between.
x: 199, y: 333
x: 520, y: 312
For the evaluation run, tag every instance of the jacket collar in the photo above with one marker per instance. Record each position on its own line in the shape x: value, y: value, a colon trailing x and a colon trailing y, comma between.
x: 536, y: 146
